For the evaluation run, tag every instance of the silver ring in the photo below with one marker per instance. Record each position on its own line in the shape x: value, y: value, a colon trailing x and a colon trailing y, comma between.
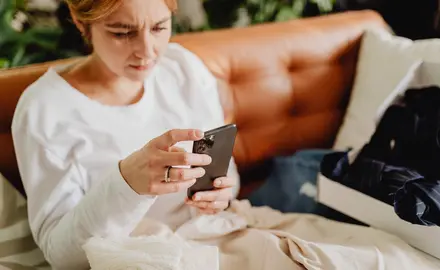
x: 167, y: 174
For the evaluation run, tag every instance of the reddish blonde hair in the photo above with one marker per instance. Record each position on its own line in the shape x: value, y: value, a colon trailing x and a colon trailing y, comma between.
x: 90, y: 11
x: 87, y: 12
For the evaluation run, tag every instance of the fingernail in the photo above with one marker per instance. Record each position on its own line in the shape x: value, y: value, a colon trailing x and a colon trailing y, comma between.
x: 218, y: 182
x: 202, y: 172
x: 199, y: 133
x: 196, y: 197
x: 192, y: 182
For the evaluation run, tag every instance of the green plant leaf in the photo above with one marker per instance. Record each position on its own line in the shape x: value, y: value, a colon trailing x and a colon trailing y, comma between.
x: 298, y: 6
x: 7, y: 32
x: 32, y: 58
x: 18, y: 55
x: 285, y: 14
x: 36, y: 44
x: 254, y: 2
x: 46, y: 38
x: 259, y: 17
x: 324, y: 5
x: 19, y: 4
x: 4, y: 63
x: 270, y: 9
x: 5, y: 5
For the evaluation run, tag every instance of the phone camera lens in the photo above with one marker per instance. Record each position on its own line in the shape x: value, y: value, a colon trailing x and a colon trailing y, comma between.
x: 206, y: 144
x: 202, y: 148
x: 210, y: 141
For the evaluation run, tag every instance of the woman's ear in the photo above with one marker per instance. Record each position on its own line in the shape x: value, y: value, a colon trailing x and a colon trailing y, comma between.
x: 81, y: 27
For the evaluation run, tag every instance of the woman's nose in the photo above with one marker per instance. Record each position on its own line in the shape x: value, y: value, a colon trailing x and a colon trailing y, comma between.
x: 144, y: 48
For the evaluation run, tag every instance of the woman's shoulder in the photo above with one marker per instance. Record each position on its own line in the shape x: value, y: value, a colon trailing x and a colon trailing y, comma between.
x: 198, y: 86
x: 42, y: 96
x: 187, y: 66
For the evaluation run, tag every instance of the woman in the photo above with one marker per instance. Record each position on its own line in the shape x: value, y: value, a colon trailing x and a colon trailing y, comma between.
x: 104, y: 142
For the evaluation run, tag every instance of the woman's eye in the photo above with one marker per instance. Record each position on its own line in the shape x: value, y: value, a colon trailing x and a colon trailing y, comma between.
x: 158, y: 29
x: 123, y: 35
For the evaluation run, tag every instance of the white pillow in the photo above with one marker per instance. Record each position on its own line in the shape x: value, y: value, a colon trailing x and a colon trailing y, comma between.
x: 383, y: 61
x: 17, y: 247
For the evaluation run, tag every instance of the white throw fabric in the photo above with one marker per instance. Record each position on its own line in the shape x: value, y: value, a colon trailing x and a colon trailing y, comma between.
x: 153, y: 252
x: 256, y: 238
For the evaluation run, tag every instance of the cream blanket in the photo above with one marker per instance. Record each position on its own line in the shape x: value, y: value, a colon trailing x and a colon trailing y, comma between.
x: 260, y: 238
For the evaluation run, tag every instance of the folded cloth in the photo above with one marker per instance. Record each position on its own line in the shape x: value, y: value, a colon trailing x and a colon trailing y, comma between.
x: 399, y: 164
x: 301, y: 241
x: 415, y: 198
x: 134, y: 253
x: 418, y: 199
x: 158, y: 249
x: 334, y: 165
x: 246, y: 237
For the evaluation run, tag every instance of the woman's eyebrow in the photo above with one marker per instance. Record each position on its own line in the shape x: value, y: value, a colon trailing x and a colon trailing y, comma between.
x: 131, y: 26
x: 121, y: 25
x: 163, y: 20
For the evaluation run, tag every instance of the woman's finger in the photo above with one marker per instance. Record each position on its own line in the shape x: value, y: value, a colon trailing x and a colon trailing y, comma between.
x: 216, y: 205
x: 180, y: 174
x: 209, y: 211
x: 224, y: 182
x: 183, y: 159
x: 224, y: 194
x: 170, y: 138
x: 171, y: 187
x: 176, y: 149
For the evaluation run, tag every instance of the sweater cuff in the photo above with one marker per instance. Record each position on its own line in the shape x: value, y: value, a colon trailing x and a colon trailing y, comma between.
x: 122, y: 188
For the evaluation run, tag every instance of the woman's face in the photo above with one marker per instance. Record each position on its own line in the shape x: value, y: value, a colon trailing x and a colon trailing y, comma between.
x: 131, y: 40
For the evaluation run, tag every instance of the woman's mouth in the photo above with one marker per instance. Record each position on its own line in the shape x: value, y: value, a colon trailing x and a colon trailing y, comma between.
x: 143, y: 67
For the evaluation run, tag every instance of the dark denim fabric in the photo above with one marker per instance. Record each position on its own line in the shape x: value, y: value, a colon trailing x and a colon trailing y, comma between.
x: 291, y: 187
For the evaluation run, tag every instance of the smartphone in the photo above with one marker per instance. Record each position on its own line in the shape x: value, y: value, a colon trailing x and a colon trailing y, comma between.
x: 219, y: 145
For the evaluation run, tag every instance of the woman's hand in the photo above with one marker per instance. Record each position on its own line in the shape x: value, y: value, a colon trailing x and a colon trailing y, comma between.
x: 146, y: 169
x: 214, y: 201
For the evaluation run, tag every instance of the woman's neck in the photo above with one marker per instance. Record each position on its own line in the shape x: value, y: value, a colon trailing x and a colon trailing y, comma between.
x: 96, y: 81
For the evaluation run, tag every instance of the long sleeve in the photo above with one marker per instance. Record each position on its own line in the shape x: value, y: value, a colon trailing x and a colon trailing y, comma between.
x: 62, y: 215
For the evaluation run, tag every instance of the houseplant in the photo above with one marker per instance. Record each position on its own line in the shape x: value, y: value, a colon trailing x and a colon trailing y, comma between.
x: 21, y: 42
x: 226, y: 13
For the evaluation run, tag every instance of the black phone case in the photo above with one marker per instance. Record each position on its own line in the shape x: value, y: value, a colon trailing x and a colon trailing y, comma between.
x: 219, y: 144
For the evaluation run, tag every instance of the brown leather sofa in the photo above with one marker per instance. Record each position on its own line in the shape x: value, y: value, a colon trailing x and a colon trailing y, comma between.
x: 285, y: 85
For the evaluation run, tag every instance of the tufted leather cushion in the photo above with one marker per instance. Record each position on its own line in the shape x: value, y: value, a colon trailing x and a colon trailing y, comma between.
x: 285, y: 85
